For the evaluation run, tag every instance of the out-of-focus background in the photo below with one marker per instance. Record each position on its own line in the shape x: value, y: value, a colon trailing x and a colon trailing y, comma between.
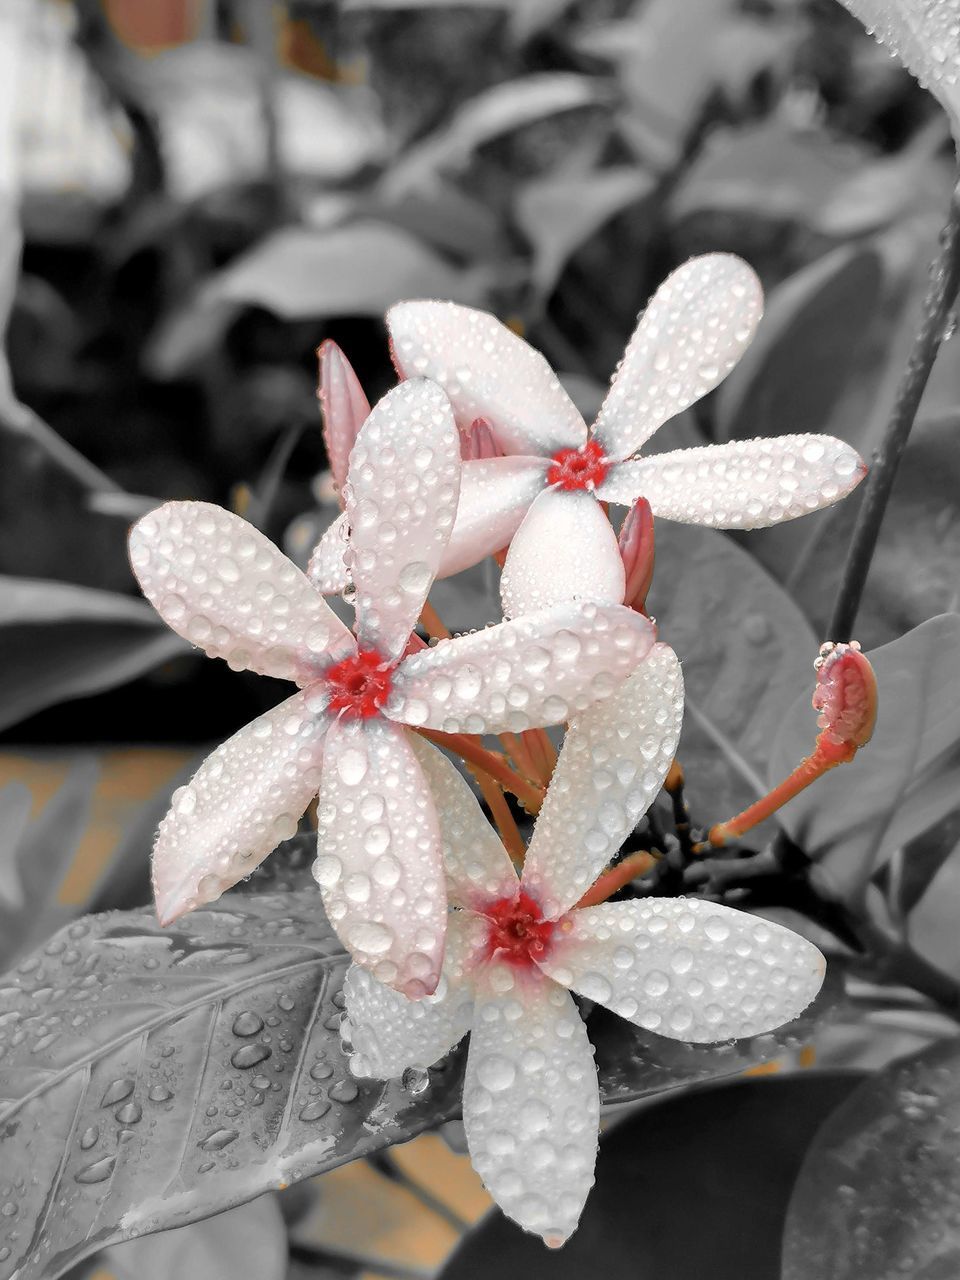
x: 195, y: 193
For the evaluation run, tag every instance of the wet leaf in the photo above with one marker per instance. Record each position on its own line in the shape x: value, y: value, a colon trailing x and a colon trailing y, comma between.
x: 794, y: 371
x: 746, y: 651
x: 902, y: 782
x: 878, y: 1194
x: 59, y: 641
x: 247, y: 1241
x: 150, y: 1078
x: 695, y: 1185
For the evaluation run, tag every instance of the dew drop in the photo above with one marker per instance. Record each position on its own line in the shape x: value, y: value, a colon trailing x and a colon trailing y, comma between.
x: 247, y: 1024
x: 99, y: 1171
x: 249, y: 1055
x: 315, y: 1110
x: 219, y: 1139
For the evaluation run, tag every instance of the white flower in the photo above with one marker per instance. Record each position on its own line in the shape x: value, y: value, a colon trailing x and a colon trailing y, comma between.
x: 685, y: 968
x: 691, y: 335
x: 222, y: 585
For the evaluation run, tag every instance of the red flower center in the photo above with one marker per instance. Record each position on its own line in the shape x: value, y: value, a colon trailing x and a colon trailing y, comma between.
x: 517, y: 931
x: 579, y: 468
x: 359, y: 685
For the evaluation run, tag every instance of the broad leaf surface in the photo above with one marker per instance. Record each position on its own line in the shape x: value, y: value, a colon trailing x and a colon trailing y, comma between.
x: 695, y: 1185
x: 746, y: 651
x: 150, y: 1078
x: 59, y: 641
x: 878, y: 1193
x: 902, y: 782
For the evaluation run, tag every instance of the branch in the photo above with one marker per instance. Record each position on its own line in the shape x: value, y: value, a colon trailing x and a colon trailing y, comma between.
x: 940, y: 297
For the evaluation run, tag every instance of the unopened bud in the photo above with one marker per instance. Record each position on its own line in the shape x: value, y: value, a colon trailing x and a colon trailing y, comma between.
x: 478, y: 441
x: 845, y: 696
x: 345, y: 408
x: 637, y: 551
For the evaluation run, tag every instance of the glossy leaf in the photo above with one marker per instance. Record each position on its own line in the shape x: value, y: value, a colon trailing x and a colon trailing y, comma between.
x: 696, y: 1185
x: 794, y: 371
x: 932, y: 921
x: 746, y: 651
x: 878, y: 1194
x: 902, y: 782
x: 150, y: 1078
x: 247, y: 1241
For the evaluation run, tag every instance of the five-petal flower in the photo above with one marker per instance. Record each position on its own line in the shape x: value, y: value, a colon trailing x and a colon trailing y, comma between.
x: 221, y: 584
x: 691, y: 335
x: 685, y: 968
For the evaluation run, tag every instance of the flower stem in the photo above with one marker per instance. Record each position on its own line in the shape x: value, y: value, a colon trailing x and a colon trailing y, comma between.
x: 633, y: 865
x: 497, y: 804
x: 940, y: 297
x: 431, y: 623
x: 474, y: 753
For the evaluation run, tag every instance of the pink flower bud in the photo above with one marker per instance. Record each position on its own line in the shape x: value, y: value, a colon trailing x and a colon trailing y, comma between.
x: 345, y: 408
x: 477, y: 441
x: 637, y: 551
x: 845, y: 696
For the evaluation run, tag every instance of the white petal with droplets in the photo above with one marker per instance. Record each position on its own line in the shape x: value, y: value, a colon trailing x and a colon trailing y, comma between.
x: 401, y: 499
x: 612, y: 765
x: 327, y: 569
x: 389, y: 1033
x: 495, y: 495
x: 694, y: 330
x: 488, y: 372
x: 537, y: 670
x: 243, y: 800
x: 746, y: 484
x: 685, y: 968
x: 565, y: 549
x: 378, y: 855
x: 477, y: 866
x: 531, y: 1105
x: 219, y: 583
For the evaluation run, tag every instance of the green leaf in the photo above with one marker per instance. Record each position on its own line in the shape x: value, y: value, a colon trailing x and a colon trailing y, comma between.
x: 902, y: 781
x: 746, y: 651
x: 560, y: 213
x: 150, y: 1077
x: 167, y: 1075
x: 490, y: 115
x: 796, y: 368
x: 696, y: 1185
x: 932, y: 925
x: 59, y: 641
x: 247, y: 1241
x: 877, y: 1194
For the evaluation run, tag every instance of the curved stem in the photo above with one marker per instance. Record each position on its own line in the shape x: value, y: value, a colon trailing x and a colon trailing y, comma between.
x: 940, y: 297
x: 474, y: 753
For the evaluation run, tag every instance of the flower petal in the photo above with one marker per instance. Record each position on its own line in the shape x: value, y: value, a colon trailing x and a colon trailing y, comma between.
x: 531, y: 1106
x: 401, y: 500
x: 327, y: 569
x: 219, y: 583
x: 537, y: 670
x: 478, y: 868
x: 612, y: 765
x: 695, y: 328
x: 488, y: 372
x: 746, y: 484
x: 378, y: 855
x: 244, y: 799
x: 345, y: 408
x: 686, y: 968
x: 565, y: 549
x: 495, y: 495
x: 390, y: 1033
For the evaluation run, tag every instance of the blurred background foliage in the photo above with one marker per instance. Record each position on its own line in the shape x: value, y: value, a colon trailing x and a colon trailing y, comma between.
x: 195, y: 193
